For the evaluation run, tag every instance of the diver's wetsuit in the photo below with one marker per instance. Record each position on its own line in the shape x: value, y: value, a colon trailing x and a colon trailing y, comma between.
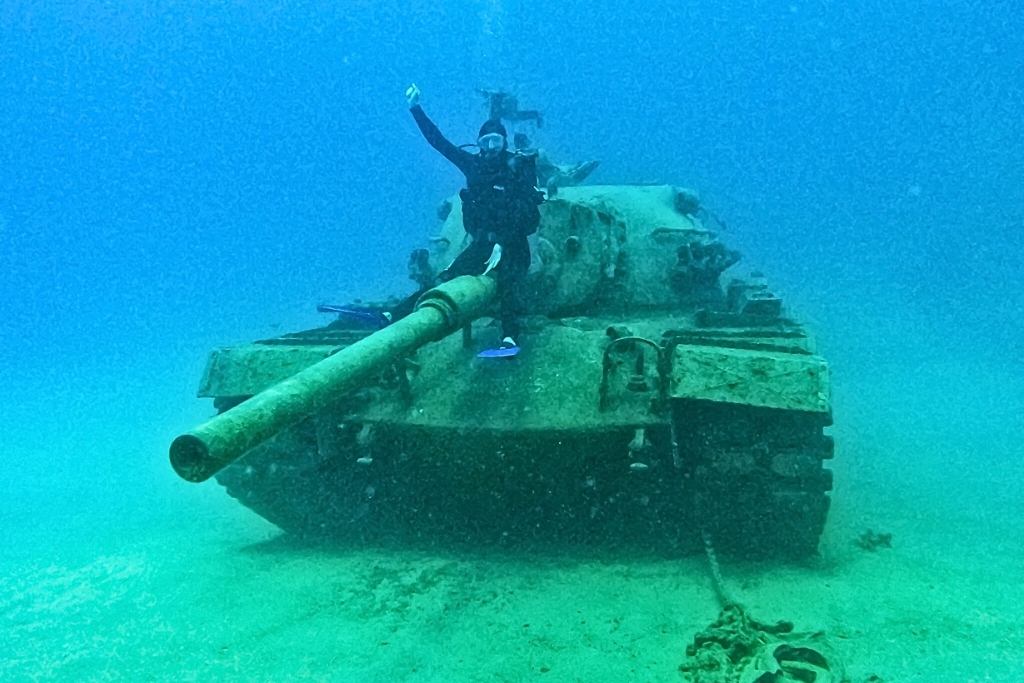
x: 498, y: 205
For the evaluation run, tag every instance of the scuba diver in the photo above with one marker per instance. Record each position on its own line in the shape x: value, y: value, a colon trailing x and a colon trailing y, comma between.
x: 499, y: 211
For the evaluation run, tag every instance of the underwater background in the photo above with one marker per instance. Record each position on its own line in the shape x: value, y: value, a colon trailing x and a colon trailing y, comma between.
x: 180, y: 175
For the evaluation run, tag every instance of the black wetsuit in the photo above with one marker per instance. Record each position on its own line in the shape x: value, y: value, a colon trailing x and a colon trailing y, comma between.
x: 499, y: 206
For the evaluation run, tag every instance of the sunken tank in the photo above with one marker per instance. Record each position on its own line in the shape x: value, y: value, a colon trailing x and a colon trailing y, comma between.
x: 657, y: 400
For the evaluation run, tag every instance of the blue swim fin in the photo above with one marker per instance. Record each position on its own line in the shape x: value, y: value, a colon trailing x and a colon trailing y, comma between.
x: 508, y: 349
x: 501, y: 352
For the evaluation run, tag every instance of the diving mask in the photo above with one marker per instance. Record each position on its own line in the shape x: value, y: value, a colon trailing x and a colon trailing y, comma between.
x: 492, y: 142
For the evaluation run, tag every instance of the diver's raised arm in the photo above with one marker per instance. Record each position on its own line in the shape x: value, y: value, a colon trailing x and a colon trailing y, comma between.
x: 460, y: 157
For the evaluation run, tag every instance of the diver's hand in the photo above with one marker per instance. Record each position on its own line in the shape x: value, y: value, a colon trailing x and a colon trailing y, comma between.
x: 412, y: 95
x: 493, y: 259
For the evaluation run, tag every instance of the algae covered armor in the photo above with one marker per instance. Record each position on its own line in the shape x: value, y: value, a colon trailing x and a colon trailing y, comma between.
x: 651, y: 400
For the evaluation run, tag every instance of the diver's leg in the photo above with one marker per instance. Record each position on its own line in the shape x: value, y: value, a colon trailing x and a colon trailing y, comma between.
x: 406, y: 305
x: 515, y: 263
x: 472, y: 261
x: 511, y: 311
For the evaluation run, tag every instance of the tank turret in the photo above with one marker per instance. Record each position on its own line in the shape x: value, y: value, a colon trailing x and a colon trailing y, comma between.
x: 603, y: 249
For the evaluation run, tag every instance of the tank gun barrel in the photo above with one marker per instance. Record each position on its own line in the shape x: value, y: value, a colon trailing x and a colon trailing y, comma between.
x: 199, y: 454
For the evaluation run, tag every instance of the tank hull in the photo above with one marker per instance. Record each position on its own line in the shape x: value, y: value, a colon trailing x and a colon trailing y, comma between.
x: 570, y: 443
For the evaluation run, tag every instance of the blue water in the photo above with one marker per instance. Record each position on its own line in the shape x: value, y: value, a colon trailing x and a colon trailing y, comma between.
x: 176, y: 176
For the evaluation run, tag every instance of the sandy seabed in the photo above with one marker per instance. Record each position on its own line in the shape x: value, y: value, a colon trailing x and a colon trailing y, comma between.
x: 186, y: 585
x: 228, y: 599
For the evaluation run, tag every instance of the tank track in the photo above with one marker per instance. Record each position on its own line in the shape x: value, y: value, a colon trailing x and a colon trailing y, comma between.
x: 758, y: 478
